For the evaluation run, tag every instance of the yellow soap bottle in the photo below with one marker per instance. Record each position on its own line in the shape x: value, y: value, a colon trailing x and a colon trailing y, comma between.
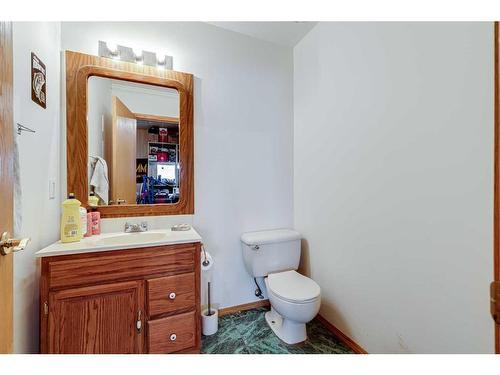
x: 93, y: 200
x: 71, y: 225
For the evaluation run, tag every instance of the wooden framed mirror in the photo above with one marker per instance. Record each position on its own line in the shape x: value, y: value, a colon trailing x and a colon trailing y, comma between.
x: 129, y: 136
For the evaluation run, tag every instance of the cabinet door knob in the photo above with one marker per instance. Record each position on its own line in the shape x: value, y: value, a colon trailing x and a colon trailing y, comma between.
x: 171, y: 296
x: 138, y: 323
x: 173, y: 337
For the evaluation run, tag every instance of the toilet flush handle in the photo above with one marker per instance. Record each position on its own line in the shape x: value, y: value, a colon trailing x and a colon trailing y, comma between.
x: 255, y: 247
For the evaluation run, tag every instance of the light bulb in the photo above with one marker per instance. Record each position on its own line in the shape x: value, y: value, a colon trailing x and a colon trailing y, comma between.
x: 113, y: 49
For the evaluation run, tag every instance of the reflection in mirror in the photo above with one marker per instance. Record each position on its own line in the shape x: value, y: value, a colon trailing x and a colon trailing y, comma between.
x: 133, y: 142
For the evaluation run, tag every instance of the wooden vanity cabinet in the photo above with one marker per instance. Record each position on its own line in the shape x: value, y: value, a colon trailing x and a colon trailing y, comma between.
x: 144, y: 300
x: 96, y: 319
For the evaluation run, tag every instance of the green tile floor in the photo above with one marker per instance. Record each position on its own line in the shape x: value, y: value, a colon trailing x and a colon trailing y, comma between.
x: 247, y: 332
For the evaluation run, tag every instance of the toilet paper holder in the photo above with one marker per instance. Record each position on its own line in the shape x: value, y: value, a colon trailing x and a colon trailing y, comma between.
x: 205, y: 262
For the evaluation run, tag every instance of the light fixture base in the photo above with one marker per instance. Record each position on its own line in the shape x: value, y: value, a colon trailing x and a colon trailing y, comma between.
x: 124, y: 53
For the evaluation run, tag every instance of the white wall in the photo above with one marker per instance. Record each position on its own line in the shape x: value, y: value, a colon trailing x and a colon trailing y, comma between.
x: 159, y: 101
x: 393, y: 184
x: 243, y: 131
x: 98, y: 114
x: 39, y: 156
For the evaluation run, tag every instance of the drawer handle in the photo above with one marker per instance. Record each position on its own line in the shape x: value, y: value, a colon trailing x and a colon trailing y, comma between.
x: 171, y: 296
x: 173, y: 337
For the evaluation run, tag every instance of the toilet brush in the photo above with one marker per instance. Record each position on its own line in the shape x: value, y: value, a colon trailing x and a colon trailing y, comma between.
x: 208, y: 297
x: 209, y: 317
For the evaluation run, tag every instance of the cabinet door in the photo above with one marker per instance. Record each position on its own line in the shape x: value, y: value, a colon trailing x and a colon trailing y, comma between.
x: 97, y: 319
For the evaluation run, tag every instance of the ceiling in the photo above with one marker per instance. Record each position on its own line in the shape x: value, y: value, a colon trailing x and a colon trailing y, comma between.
x: 283, y: 33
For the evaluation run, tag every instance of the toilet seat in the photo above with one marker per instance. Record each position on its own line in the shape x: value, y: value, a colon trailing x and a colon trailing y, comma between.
x: 293, y: 287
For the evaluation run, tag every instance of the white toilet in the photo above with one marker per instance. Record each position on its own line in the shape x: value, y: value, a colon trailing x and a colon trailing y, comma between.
x: 295, y: 299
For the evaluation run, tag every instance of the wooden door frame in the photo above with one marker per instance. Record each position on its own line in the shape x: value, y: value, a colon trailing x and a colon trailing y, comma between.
x: 496, y: 178
x: 157, y: 118
x: 6, y: 185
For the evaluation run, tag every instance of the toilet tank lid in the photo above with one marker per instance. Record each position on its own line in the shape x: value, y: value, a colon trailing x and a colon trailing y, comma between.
x: 270, y: 236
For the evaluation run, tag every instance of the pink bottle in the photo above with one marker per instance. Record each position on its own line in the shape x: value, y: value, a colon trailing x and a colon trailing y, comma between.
x: 96, y: 222
x: 89, y: 225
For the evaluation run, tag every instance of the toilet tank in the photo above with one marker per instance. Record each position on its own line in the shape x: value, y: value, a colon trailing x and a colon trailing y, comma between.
x: 271, y: 251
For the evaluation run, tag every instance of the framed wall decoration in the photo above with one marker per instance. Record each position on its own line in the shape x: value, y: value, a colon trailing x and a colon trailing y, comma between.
x: 38, y: 81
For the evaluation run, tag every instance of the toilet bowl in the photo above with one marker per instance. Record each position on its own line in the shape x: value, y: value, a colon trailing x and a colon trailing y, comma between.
x: 295, y: 300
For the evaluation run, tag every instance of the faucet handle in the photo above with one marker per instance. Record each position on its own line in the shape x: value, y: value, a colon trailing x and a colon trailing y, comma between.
x: 136, y: 227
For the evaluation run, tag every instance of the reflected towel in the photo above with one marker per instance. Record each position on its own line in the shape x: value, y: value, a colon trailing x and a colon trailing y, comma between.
x: 99, y: 179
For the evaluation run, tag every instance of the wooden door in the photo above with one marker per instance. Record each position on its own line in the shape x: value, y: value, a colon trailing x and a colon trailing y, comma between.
x: 495, y: 286
x: 97, y: 319
x: 123, y: 150
x: 6, y: 183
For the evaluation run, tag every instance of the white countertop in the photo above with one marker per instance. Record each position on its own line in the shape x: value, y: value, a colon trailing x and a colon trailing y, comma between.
x: 120, y: 241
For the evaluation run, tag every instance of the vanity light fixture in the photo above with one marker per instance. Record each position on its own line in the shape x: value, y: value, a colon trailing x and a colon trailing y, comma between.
x: 110, y: 51
x: 139, y: 58
x: 167, y: 61
x: 128, y: 54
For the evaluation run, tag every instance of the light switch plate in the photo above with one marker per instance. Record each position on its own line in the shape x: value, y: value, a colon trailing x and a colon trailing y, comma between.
x: 52, y: 189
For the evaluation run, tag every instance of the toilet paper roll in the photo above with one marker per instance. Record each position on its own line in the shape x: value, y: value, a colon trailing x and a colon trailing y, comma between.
x: 208, y: 258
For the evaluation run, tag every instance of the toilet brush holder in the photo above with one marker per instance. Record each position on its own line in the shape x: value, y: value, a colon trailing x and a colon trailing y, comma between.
x: 209, y: 323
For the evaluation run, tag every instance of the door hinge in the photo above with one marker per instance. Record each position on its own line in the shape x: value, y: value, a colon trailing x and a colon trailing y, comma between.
x: 138, y: 323
x: 495, y: 301
x: 45, y: 308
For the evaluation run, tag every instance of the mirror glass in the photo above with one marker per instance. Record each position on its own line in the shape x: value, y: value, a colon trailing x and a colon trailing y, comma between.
x: 133, y: 142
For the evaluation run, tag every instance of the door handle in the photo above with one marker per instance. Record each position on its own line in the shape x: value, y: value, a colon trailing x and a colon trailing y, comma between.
x: 9, y: 245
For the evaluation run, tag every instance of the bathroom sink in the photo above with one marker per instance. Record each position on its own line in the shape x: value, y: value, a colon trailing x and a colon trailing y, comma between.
x: 132, y: 238
x: 121, y: 241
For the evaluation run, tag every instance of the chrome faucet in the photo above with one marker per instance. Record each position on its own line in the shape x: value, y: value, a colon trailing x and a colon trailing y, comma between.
x: 136, y: 227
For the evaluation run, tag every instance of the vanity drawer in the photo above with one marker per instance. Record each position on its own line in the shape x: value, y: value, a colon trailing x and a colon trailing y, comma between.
x: 171, y: 293
x: 93, y: 268
x: 172, y: 334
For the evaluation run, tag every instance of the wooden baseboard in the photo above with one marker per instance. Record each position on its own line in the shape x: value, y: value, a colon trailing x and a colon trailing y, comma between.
x: 244, y: 307
x: 346, y: 340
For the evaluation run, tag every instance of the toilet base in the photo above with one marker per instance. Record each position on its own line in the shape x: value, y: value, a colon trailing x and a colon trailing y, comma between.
x: 287, y: 330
